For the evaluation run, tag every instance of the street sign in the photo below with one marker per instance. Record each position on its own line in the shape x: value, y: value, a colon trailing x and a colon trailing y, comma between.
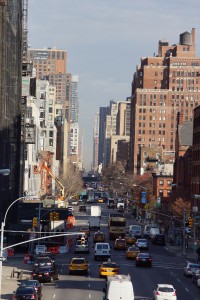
x: 144, y: 199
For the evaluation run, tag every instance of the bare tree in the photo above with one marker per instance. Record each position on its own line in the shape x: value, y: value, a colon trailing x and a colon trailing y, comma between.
x: 179, y: 205
x: 72, y: 181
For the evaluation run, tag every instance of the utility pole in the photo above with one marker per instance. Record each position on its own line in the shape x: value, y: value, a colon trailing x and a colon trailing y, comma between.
x: 184, y: 220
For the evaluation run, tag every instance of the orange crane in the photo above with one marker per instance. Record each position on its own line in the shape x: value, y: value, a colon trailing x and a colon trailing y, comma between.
x: 57, y: 181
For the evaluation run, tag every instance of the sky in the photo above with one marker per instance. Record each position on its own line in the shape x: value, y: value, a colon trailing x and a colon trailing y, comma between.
x: 105, y: 40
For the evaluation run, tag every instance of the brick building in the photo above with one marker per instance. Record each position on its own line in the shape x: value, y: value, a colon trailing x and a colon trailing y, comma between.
x: 195, y: 181
x: 163, y: 85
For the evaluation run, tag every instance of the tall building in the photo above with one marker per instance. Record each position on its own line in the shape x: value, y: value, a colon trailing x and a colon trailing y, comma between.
x: 50, y: 65
x: 95, y: 142
x: 72, y: 112
x: 74, y: 109
x: 103, y: 112
x: 11, y: 186
x: 163, y: 85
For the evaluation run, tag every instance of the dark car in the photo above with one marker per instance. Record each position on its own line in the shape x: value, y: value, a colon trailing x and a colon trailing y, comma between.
x: 45, y: 274
x: 25, y: 293
x: 82, y: 208
x: 42, y: 262
x: 33, y: 283
x: 143, y: 259
x: 158, y: 239
x: 195, y: 276
x: 46, y: 254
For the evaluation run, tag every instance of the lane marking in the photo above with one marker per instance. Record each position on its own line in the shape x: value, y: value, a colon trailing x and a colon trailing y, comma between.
x: 54, y: 295
x: 89, y: 296
x: 187, y: 290
x: 89, y: 285
x: 178, y: 279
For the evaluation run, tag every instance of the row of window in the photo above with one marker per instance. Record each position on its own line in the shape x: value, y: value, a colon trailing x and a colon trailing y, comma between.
x: 169, y: 182
x: 183, y: 73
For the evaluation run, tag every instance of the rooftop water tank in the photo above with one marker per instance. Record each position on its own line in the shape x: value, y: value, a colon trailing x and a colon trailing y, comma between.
x: 185, y: 38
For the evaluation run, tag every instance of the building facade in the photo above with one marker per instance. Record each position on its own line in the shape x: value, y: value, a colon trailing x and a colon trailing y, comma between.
x: 11, y: 148
x: 95, y: 142
x: 162, y: 86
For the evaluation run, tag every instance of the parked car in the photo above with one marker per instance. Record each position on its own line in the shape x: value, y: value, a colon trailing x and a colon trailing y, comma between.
x: 190, y: 268
x: 196, y: 276
x: 164, y: 291
x: 45, y: 274
x: 158, y: 239
x: 25, y: 292
x: 143, y: 259
x: 33, y: 283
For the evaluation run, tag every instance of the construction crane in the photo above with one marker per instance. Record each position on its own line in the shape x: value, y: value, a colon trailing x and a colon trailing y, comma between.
x: 57, y: 181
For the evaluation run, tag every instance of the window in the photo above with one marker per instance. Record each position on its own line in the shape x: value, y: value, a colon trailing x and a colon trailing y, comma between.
x: 169, y: 182
x: 50, y: 133
x: 161, y: 182
x: 50, y: 110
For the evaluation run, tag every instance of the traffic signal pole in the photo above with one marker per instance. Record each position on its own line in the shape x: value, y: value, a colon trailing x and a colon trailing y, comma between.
x: 184, y: 220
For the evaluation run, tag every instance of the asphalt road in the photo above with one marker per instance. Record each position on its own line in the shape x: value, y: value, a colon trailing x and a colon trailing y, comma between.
x: 166, y: 268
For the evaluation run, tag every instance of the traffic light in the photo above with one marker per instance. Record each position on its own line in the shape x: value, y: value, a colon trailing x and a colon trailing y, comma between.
x: 56, y: 216
x: 190, y: 221
x: 35, y: 222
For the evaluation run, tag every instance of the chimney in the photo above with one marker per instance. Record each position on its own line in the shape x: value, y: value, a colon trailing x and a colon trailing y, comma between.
x: 193, y: 36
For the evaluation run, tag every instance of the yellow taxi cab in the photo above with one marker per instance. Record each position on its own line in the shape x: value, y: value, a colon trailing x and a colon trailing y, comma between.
x: 130, y: 239
x: 100, y: 200
x: 120, y: 244
x: 99, y: 236
x: 85, y: 229
x: 108, y: 268
x: 78, y: 265
x: 132, y: 252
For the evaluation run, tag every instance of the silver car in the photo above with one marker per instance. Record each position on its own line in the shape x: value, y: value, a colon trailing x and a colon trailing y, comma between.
x: 142, y: 244
x: 190, y: 268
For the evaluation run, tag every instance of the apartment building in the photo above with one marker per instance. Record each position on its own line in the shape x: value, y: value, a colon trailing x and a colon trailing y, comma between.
x: 50, y: 65
x: 163, y: 85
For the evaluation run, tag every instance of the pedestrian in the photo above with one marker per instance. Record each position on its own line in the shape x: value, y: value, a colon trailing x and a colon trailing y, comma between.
x: 198, y: 253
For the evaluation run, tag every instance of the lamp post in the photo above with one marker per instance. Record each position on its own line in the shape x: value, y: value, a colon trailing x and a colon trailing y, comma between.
x: 2, y: 236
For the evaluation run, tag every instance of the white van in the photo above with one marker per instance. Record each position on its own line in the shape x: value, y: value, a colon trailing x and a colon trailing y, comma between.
x: 154, y: 231
x: 102, y: 251
x: 119, y: 287
x: 136, y: 230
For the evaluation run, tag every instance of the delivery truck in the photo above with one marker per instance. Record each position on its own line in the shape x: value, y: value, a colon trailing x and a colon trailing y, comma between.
x: 94, y: 223
x: 96, y: 211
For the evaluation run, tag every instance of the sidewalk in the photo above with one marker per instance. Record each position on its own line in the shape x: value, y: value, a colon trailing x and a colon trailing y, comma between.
x: 11, y: 267
x: 190, y: 252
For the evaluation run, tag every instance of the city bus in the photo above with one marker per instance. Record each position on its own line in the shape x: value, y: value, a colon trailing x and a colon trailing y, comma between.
x: 117, y: 226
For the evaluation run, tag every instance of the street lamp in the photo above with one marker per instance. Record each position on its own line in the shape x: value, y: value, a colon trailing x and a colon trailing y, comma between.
x: 2, y: 235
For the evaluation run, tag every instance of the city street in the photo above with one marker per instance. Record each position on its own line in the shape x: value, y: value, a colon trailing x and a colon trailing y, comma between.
x: 167, y: 268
